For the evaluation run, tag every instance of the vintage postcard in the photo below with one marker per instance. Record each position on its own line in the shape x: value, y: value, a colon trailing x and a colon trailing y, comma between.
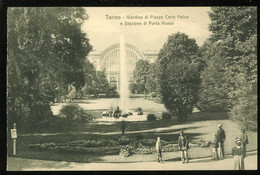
x: 131, y: 88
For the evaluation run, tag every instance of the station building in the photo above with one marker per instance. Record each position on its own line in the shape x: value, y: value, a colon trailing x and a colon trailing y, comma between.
x: 109, y: 60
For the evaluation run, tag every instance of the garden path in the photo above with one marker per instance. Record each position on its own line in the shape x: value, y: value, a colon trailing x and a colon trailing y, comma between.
x: 20, y: 164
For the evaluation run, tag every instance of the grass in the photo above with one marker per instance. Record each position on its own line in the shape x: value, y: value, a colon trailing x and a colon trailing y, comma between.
x: 166, y: 130
x: 198, y: 126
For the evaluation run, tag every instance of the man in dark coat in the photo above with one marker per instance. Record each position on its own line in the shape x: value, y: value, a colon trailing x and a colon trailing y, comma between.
x: 183, y: 147
x: 244, y: 139
x: 221, y: 136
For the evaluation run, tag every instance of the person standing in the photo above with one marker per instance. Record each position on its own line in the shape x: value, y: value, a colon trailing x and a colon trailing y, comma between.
x: 215, y: 147
x: 244, y: 139
x: 238, y: 155
x: 159, y: 149
x: 221, y: 136
x: 183, y: 147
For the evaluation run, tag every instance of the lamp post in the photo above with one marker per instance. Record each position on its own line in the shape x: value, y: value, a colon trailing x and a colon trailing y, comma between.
x: 14, y: 137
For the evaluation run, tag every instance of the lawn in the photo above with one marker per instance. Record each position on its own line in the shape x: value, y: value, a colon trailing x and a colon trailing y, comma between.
x: 199, y: 126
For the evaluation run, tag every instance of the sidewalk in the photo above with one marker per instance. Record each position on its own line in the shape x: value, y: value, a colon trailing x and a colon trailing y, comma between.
x: 20, y: 164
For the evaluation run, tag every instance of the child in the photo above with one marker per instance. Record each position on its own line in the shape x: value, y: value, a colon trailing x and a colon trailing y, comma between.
x: 215, y: 147
x: 183, y: 147
x: 159, y: 150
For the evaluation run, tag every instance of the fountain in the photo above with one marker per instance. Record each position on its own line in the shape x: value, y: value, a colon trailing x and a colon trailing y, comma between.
x: 124, y: 92
x: 122, y: 112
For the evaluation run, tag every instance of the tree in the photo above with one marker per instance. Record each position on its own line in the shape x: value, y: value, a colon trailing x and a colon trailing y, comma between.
x: 140, y: 87
x: 141, y: 71
x: 235, y: 29
x: 132, y: 87
x: 46, y: 51
x: 152, y: 78
x: 245, y: 108
x: 231, y: 70
x: 213, y: 94
x: 179, y: 76
x: 103, y: 85
x: 90, y: 77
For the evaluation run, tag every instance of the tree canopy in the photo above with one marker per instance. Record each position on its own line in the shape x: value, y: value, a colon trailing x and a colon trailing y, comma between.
x: 178, y: 74
x: 46, y: 51
x: 231, y: 67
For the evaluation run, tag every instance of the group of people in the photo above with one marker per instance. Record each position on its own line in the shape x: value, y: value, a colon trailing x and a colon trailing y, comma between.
x: 238, y: 152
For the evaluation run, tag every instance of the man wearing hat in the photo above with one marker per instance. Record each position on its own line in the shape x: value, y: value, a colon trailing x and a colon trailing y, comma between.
x: 244, y: 139
x: 183, y: 147
x: 238, y: 155
x: 221, y: 136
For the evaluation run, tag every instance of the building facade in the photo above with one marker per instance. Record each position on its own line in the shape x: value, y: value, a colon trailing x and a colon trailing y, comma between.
x: 109, y: 61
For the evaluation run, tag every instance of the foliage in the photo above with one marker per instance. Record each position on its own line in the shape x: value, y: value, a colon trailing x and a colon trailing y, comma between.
x: 106, y: 150
x: 152, y: 78
x: 200, y: 143
x: 45, y: 54
x: 166, y: 116
x: 179, y: 75
x: 96, y: 82
x: 132, y: 87
x: 232, y: 67
x: 126, y: 151
x: 230, y: 51
x: 151, y: 117
x: 140, y: 87
x: 141, y: 71
x: 144, y: 149
x: 213, y: 94
x: 138, y: 109
x: 123, y: 140
x: 74, y: 112
x: 245, y: 108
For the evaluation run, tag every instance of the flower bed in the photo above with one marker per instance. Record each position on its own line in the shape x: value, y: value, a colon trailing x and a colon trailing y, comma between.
x: 112, y: 147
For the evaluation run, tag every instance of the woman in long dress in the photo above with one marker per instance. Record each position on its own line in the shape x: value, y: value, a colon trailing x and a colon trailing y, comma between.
x: 238, y: 155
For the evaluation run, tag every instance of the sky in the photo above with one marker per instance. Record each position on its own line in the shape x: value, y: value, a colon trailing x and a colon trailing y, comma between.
x: 105, y: 25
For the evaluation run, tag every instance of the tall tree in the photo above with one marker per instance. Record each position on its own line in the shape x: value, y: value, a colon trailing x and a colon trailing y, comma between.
x: 179, y: 76
x: 235, y: 29
x: 46, y: 50
x: 234, y: 33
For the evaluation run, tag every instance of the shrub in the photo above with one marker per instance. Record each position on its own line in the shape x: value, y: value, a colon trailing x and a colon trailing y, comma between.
x: 151, y: 117
x: 107, y: 147
x: 123, y: 140
x: 138, y: 109
x: 140, y: 88
x: 126, y: 151
x: 152, y: 142
x: 166, y: 116
x: 74, y: 112
x: 141, y: 149
x: 132, y: 87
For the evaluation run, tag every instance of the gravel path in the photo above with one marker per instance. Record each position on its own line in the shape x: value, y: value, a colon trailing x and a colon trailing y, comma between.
x: 19, y: 164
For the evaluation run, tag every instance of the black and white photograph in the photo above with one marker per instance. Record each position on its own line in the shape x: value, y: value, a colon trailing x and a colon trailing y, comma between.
x: 131, y: 88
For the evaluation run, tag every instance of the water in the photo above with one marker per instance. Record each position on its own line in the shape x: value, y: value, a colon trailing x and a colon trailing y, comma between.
x: 124, y: 92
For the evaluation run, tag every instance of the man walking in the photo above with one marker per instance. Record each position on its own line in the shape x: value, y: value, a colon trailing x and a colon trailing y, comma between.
x: 221, y: 136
